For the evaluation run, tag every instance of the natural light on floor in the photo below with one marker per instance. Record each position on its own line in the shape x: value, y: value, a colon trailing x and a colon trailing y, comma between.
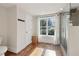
x: 50, y: 53
x: 40, y: 51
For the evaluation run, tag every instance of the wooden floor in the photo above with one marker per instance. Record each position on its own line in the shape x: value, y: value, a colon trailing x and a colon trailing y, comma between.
x: 28, y: 50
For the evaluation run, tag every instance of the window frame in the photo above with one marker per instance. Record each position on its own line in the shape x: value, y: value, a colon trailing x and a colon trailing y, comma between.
x: 46, y: 19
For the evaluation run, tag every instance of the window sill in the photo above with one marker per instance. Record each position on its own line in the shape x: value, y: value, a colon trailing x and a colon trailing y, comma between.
x: 48, y: 35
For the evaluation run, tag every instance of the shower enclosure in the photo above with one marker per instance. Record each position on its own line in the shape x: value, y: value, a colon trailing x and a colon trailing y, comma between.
x: 64, y: 18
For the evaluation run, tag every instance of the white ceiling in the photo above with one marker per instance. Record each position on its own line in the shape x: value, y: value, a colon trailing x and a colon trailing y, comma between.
x: 41, y: 8
x: 74, y: 5
x: 45, y: 8
x: 7, y: 4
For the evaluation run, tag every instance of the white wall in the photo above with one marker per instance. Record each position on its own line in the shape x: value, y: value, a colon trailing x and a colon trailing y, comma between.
x: 3, y: 25
x: 73, y: 41
x: 35, y: 26
x: 12, y: 28
x: 16, y: 35
x: 56, y: 39
x: 24, y: 29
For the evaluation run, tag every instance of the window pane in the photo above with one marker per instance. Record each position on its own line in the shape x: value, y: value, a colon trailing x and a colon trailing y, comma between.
x: 43, y: 22
x: 51, y: 31
x: 47, y: 28
x: 51, y: 22
x: 43, y: 32
x: 51, y: 25
x: 42, y: 27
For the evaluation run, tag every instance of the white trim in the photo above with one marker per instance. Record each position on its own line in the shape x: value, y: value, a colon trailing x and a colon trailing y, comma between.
x: 46, y: 18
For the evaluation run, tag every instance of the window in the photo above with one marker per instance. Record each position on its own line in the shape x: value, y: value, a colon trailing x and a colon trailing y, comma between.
x: 47, y: 26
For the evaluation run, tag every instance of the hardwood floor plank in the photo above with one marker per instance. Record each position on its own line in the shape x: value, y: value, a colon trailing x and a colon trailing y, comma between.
x: 28, y: 50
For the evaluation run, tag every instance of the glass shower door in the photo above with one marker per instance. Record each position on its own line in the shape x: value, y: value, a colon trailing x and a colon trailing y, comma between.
x: 64, y: 30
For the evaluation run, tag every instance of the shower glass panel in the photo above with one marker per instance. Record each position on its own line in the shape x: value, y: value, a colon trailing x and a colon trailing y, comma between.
x: 64, y: 30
